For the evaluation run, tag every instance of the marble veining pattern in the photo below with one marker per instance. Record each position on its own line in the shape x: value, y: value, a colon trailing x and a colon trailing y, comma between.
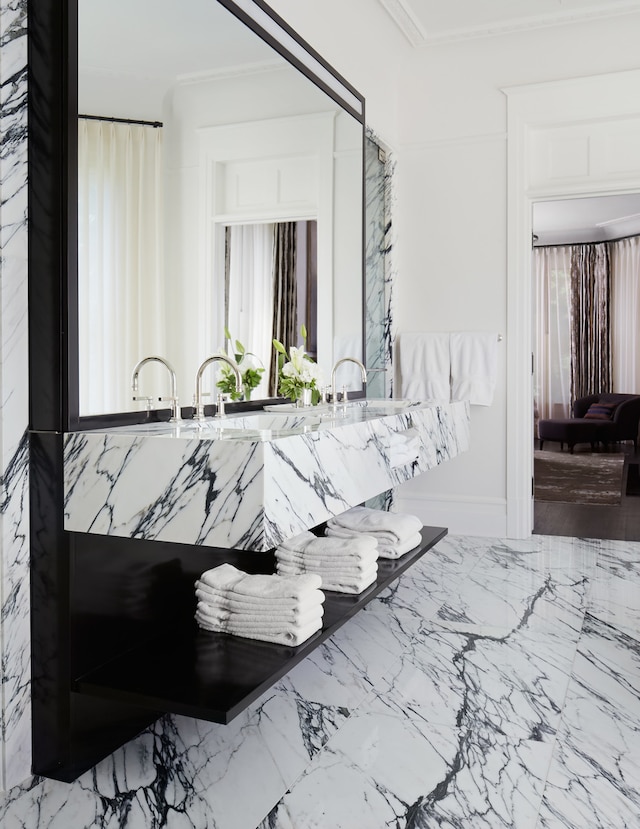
x: 237, y: 492
x: 495, y: 684
x: 15, y: 669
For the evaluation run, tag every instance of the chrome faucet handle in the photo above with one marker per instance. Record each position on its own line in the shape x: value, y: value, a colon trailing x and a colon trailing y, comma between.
x: 140, y: 398
x: 220, y: 406
x: 175, y: 408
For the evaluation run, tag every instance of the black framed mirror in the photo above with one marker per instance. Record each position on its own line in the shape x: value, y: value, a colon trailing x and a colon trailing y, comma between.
x: 58, y: 48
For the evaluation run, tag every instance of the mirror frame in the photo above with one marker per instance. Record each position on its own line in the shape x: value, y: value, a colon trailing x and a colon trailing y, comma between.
x: 53, y: 187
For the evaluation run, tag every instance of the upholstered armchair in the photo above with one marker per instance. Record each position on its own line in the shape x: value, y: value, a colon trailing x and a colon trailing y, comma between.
x: 597, y: 418
x: 620, y: 415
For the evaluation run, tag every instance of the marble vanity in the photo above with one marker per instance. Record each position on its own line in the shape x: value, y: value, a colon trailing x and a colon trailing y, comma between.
x: 149, y: 507
x: 250, y: 482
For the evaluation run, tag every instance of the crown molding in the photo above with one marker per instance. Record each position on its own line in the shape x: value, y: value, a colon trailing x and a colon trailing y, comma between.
x: 405, y: 19
x: 401, y: 12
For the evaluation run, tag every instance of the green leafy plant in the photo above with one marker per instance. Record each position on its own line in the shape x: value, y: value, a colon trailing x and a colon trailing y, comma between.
x: 251, y: 371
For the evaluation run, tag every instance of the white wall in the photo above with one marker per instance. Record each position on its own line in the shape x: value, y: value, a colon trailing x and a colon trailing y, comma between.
x: 443, y: 110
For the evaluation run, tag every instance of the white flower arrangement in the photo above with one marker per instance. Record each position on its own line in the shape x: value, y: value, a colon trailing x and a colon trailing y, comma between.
x: 299, y: 372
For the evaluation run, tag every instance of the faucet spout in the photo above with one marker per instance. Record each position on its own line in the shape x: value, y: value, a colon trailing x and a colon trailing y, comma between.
x: 199, y: 405
x: 363, y: 372
x: 173, y: 398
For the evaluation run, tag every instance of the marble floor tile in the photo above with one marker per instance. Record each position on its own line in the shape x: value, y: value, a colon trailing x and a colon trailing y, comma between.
x: 514, y: 683
x: 495, y: 685
x: 383, y: 769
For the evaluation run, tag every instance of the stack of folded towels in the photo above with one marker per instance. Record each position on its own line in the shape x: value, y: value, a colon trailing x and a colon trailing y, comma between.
x: 395, y: 532
x: 286, y: 609
x: 346, y: 565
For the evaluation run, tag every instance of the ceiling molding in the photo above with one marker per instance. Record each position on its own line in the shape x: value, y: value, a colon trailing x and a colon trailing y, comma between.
x: 403, y: 16
x: 412, y: 28
x: 634, y: 217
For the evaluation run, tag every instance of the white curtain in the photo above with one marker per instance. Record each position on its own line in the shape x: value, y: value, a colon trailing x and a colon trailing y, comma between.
x: 552, y: 359
x: 120, y: 290
x: 625, y: 315
x: 250, y: 312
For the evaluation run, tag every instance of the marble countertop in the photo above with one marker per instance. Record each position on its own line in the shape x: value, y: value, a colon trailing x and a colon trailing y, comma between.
x: 221, y: 484
x: 271, y: 425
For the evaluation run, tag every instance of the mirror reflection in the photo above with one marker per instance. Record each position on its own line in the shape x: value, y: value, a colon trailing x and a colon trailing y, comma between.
x: 202, y: 152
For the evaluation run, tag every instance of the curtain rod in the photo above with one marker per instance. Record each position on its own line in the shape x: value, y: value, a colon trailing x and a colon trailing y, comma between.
x: 603, y: 242
x: 154, y: 124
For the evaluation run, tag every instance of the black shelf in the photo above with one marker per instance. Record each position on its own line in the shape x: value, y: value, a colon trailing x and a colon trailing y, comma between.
x: 215, y: 676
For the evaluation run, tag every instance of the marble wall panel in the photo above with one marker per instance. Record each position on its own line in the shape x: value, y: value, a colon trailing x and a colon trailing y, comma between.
x: 15, y: 723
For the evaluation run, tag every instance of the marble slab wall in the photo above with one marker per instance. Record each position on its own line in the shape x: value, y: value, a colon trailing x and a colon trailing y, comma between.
x: 15, y: 722
x: 379, y: 269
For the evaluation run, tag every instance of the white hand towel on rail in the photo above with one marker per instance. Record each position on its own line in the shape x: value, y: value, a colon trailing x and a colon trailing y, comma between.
x: 425, y: 366
x: 474, y: 360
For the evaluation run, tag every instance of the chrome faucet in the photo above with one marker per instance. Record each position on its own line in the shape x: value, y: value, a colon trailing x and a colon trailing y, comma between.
x: 173, y: 399
x: 363, y: 371
x: 198, y: 404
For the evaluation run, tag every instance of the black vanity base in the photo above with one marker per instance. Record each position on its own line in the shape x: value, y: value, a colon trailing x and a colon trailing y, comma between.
x: 136, y: 652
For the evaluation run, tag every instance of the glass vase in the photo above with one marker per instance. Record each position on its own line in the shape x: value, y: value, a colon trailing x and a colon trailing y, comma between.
x: 305, y: 398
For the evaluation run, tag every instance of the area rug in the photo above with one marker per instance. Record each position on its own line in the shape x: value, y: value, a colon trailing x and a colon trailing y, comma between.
x: 593, y: 478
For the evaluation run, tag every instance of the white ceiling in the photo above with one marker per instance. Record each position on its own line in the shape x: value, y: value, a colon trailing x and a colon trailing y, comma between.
x: 204, y: 37
x: 425, y: 22
x: 586, y: 220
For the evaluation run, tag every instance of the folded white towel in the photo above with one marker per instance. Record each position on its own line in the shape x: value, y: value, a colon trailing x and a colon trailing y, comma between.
x: 388, y: 527
x: 228, y: 578
x: 343, y: 583
x: 211, y: 614
x: 252, y: 604
x: 291, y: 636
x: 287, y: 608
x: 322, y: 547
x: 424, y: 365
x: 474, y: 361
x: 335, y: 573
x: 361, y: 562
x: 386, y: 549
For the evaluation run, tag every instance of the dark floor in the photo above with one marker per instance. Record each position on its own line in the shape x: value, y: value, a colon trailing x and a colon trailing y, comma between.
x: 620, y: 522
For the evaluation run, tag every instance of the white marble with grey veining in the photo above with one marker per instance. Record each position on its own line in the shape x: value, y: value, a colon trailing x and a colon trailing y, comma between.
x: 244, y: 487
x: 15, y: 669
x: 457, y: 698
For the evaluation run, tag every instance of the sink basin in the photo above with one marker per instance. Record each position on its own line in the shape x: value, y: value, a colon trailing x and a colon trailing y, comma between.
x: 383, y: 403
x: 260, y: 422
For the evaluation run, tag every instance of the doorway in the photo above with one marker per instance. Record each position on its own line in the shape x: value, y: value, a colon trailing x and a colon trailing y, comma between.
x: 593, y: 492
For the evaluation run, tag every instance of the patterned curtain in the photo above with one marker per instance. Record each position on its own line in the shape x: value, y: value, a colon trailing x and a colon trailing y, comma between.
x: 285, y: 295
x: 590, y: 320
